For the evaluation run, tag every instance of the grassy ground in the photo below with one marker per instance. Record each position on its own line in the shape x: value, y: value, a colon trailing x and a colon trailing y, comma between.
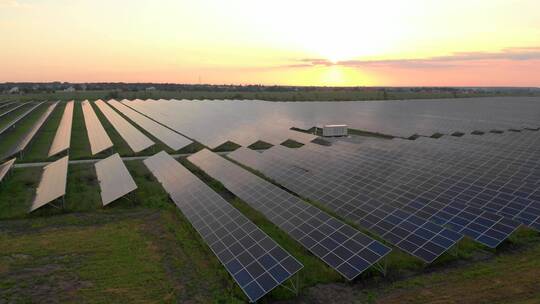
x: 106, y: 258
x: 508, y: 278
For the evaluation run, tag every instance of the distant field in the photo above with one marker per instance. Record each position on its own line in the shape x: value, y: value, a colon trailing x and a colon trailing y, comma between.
x: 340, y: 95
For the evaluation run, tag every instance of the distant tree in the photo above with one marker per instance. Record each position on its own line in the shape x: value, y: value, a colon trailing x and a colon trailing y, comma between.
x: 112, y: 95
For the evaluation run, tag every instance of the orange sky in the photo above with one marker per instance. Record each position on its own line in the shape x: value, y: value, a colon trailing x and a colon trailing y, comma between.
x: 415, y: 42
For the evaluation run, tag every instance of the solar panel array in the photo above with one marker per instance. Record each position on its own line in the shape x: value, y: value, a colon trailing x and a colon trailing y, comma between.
x: 480, y: 186
x: 135, y: 139
x: 5, y: 167
x: 5, y: 104
x: 27, y: 138
x: 53, y: 183
x: 342, y: 247
x: 11, y: 110
x: 172, y: 139
x: 382, y: 179
x: 62, y: 139
x: 407, y: 231
x: 19, y: 118
x: 498, y: 173
x: 215, y: 122
x: 114, y: 179
x: 422, y: 196
x: 99, y: 140
x: 254, y: 260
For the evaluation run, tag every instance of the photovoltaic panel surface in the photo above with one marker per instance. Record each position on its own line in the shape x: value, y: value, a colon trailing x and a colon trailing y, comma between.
x: 135, y: 139
x: 5, y: 167
x: 254, y: 260
x: 27, y: 138
x: 62, y: 139
x: 342, y: 247
x: 20, y: 117
x: 498, y: 173
x: 99, y: 140
x: 114, y: 179
x: 409, y: 232
x: 53, y: 183
x: 5, y: 104
x: 11, y: 109
x: 393, y: 180
x: 215, y: 122
x: 247, y: 121
x: 172, y: 139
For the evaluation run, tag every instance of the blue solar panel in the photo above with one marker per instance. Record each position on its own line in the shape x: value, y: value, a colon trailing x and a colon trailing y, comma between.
x: 396, y: 226
x: 345, y: 249
x: 255, y: 261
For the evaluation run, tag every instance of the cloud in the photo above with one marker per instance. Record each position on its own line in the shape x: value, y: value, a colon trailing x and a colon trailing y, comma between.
x: 455, y: 59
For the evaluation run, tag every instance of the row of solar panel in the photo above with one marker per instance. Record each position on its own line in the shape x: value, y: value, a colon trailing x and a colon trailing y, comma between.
x: 244, y: 122
x: 247, y: 122
x: 113, y: 176
x: 500, y: 178
x: 382, y: 190
x: 158, y: 122
x: 255, y: 261
x: 99, y: 140
x: 61, y: 139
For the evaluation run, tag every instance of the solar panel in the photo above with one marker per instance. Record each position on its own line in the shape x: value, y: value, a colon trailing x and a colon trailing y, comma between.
x: 242, y: 122
x: 135, y: 139
x: 497, y: 179
x: 62, y: 138
x: 410, y: 233
x: 11, y: 110
x: 4, y: 104
x: 301, y: 137
x: 27, y: 138
x: 342, y: 247
x: 254, y: 260
x: 396, y: 181
x: 99, y: 140
x: 5, y: 167
x: 245, y: 122
x: 114, y: 179
x: 172, y: 139
x: 53, y: 183
x: 19, y: 118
